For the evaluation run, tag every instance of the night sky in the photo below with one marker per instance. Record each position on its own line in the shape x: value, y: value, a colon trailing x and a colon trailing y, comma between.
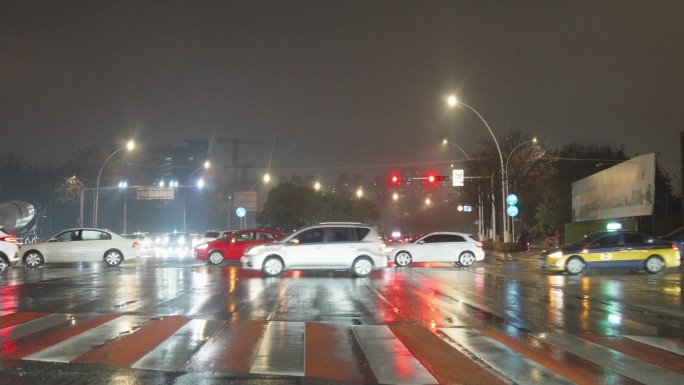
x: 341, y: 86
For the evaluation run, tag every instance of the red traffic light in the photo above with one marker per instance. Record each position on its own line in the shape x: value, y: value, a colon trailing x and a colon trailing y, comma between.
x: 396, y: 179
x: 431, y: 179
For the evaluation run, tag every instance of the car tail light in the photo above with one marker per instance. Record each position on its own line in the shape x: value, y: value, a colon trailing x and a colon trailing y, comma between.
x: 136, y: 244
x: 9, y: 238
x: 479, y: 245
x: 674, y: 246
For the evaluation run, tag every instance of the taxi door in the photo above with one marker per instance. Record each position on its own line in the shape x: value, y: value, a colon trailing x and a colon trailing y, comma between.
x: 634, y: 249
x: 604, y: 251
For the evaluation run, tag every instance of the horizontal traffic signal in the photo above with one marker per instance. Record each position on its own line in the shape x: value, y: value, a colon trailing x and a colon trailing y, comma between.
x: 437, y: 178
x: 396, y: 179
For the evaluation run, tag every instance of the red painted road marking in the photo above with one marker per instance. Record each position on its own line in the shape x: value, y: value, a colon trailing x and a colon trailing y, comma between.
x: 39, y: 341
x: 128, y: 349
x: 232, y: 349
x: 447, y: 365
x: 666, y: 360
x: 570, y: 366
x: 19, y: 318
x: 329, y: 354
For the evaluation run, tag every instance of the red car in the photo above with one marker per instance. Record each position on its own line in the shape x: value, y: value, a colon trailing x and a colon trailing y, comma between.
x: 232, y: 247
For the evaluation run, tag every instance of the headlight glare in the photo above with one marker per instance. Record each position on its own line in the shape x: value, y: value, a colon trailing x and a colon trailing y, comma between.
x: 557, y: 254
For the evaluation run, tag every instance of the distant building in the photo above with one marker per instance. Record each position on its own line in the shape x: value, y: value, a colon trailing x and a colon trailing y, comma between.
x: 167, y: 162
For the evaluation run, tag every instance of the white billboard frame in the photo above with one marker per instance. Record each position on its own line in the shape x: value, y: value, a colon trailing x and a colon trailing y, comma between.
x: 624, y: 190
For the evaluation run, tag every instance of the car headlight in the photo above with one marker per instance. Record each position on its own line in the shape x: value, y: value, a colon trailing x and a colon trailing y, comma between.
x: 556, y: 254
x: 254, y: 250
x: 202, y: 246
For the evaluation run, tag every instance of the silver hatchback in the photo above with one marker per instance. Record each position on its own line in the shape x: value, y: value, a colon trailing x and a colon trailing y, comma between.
x: 327, y: 246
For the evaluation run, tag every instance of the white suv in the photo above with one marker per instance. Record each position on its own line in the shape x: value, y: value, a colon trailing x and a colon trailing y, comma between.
x: 8, y: 251
x: 326, y: 246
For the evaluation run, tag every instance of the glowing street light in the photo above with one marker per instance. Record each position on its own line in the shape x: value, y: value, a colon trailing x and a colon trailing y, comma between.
x: 267, y: 178
x: 359, y: 193
x: 395, y: 196
x: 317, y: 185
x: 130, y: 145
x: 453, y: 102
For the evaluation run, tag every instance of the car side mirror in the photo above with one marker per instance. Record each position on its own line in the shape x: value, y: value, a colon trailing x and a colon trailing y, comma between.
x: 421, y: 242
x: 53, y: 240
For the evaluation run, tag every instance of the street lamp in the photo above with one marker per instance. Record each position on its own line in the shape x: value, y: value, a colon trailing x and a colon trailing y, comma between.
x: 533, y: 140
x: 457, y: 146
x: 204, y: 166
x: 129, y: 146
x: 452, y: 101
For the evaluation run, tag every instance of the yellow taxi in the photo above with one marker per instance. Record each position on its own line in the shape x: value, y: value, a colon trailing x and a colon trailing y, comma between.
x: 621, y: 249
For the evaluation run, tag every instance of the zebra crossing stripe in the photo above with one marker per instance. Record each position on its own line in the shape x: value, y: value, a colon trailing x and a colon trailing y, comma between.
x: 504, y: 359
x: 614, y: 360
x: 33, y: 326
x: 27, y: 345
x: 176, y: 351
x: 232, y: 349
x: 128, y: 349
x: 646, y: 353
x: 12, y: 319
x: 282, y: 350
x: 447, y: 364
x: 330, y: 347
x: 673, y: 346
x: 379, y: 344
x: 568, y: 365
x: 71, y: 348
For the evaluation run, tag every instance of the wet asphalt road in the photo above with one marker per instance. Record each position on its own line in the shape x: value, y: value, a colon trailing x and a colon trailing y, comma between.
x: 437, y: 311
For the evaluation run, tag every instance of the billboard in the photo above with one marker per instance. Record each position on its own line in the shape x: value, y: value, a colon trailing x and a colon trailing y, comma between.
x: 624, y: 190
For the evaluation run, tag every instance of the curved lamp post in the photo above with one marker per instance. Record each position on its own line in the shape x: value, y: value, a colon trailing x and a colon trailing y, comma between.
x: 452, y: 101
x: 457, y: 146
x: 129, y: 146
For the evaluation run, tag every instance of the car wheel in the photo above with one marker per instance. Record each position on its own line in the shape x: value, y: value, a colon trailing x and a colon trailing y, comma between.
x: 4, y: 265
x: 273, y: 266
x: 113, y: 258
x: 33, y: 259
x: 466, y: 258
x: 362, y: 267
x: 215, y: 257
x: 575, y: 265
x: 403, y: 258
x: 654, y: 264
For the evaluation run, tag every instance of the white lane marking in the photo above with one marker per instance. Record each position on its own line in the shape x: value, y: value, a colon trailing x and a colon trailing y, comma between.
x: 33, y: 326
x: 614, y: 360
x: 73, y: 347
x: 669, y: 344
x: 281, y: 350
x: 390, y: 360
x: 503, y: 359
x: 176, y: 351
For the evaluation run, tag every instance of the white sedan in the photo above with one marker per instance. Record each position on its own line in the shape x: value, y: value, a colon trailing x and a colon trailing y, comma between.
x: 81, y: 245
x: 438, y: 247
